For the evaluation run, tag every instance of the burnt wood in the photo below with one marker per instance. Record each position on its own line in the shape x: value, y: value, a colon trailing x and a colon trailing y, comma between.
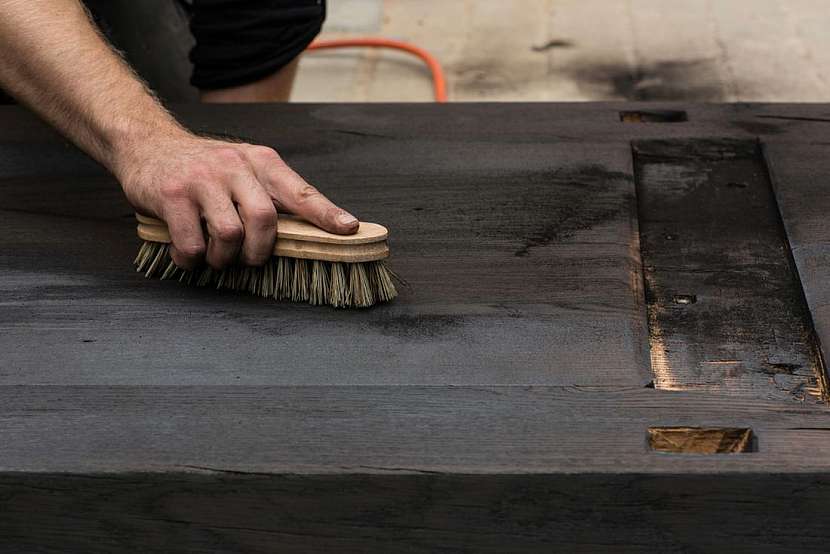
x: 501, y: 403
x: 304, y: 469
x: 415, y: 513
x: 799, y: 176
x: 504, y: 254
x: 726, y: 308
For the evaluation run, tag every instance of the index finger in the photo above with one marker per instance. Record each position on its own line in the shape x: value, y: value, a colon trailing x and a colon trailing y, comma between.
x: 291, y: 193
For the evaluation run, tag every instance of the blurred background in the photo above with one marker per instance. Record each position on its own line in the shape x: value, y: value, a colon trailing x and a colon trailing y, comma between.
x: 572, y: 50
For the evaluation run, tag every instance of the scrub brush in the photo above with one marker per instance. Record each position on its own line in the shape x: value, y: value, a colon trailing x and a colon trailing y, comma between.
x: 308, y: 265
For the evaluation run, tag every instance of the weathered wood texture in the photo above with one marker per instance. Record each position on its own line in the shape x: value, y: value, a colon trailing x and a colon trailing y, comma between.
x: 509, y: 249
x: 157, y: 514
x: 302, y: 469
x: 334, y: 429
x: 726, y: 309
x: 801, y: 175
x: 136, y: 415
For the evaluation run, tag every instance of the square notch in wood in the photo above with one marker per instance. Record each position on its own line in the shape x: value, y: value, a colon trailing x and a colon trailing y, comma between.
x: 654, y: 116
x: 702, y: 440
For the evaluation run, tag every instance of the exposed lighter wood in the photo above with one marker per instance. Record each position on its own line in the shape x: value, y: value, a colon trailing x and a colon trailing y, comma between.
x: 700, y: 440
x: 297, y: 238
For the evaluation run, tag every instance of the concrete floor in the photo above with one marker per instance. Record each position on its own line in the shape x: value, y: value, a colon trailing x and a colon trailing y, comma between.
x: 571, y: 50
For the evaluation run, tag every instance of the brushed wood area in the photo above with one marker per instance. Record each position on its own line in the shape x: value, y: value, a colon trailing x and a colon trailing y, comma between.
x: 502, y: 402
x: 726, y: 308
x: 519, y: 259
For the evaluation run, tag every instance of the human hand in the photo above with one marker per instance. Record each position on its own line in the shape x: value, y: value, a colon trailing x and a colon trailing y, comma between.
x: 236, y: 189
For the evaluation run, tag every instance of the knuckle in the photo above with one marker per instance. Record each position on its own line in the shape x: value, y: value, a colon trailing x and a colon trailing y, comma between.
x: 228, y: 232
x: 332, y: 213
x: 263, y: 216
x: 265, y: 153
x: 174, y: 190
x: 199, y: 174
x: 307, y: 192
x: 191, y: 251
x: 229, y: 154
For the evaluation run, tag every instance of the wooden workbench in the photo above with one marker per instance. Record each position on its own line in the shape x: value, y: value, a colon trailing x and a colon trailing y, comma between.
x: 575, y: 277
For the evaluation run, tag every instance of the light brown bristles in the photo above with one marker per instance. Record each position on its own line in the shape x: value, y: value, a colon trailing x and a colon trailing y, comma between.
x: 338, y: 284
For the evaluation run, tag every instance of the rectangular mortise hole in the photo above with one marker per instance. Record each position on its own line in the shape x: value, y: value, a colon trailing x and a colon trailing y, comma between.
x: 654, y: 116
x: 702, y: 440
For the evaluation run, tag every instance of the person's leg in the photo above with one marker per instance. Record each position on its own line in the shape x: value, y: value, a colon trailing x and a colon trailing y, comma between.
x: 273, y: 88
x: 249, y: 51
x: 245, y: 51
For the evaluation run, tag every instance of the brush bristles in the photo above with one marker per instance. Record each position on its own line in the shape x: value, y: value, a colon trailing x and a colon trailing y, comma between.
x: 339, y: 296
x: 359, y: 286
x: 342, y: 285
x: 318, y: 291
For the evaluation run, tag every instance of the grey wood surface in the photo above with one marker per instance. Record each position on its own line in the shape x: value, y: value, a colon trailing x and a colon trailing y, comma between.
x: 726, y: 308
x: 501, y: 403
x: 518, y: 261
x: 799, y: 173
x: 390, y: 428
x: 420, y: 469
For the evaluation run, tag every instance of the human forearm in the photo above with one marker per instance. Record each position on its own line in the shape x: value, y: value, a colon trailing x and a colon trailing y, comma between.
x: 219, y: 199
x: 55, y: 62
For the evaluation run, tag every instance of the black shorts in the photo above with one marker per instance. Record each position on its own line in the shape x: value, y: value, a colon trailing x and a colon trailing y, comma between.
x: 241, y: 41
x: 210, y: 43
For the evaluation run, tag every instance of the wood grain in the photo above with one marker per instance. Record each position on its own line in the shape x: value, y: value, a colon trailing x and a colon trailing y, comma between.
x: 423, y: 513
x: 415, y: 513
x: 300, y: 469
x: 726, y: 309
x: 501, y: 404
x: 519, y: 260
x: 389, y: 429
x: 800, y: 177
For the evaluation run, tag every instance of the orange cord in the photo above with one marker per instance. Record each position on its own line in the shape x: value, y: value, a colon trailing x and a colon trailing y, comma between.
x: 438, y: 81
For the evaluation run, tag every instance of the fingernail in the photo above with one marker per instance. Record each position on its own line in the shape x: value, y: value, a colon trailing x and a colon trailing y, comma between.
x: 346, y: 219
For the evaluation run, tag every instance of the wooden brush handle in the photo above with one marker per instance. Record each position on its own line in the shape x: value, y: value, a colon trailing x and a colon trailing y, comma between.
x: 297, y: 238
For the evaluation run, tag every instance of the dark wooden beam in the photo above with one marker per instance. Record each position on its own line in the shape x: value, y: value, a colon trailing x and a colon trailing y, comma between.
x: 503, y: 402
x: 212, y: 513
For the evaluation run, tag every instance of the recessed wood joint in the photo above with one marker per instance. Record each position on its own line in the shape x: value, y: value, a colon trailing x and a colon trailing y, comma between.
x: 701, y: 440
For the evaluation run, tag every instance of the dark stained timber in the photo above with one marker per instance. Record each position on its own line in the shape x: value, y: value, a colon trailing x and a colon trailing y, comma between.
x: 518, y: 259
x: 503, y: 403
x: 725, y: 306
x: 420, y: 514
